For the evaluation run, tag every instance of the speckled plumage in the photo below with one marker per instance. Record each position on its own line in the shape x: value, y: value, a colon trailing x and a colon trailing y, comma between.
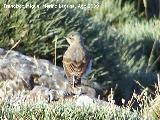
x: 76, y: 59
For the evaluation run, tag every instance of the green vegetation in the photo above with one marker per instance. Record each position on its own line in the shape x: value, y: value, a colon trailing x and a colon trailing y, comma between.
x: 122, y: 37
x: 66, y: 111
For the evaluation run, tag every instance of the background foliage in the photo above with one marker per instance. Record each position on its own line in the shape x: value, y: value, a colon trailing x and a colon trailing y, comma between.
x: 122, y: 37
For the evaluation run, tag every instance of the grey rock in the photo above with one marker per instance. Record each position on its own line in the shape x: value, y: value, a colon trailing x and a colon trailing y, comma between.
x: 20, y: 72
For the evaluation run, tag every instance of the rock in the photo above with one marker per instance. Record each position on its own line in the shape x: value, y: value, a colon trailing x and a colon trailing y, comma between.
x: 39, y: 93
x: 84, y: 100
x: 29, y: 71
x: 20, y: 72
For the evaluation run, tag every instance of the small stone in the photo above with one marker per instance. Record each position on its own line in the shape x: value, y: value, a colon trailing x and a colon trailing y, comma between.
x: 84, y: 100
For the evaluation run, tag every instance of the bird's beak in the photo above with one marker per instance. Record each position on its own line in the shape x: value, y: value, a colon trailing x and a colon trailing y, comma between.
x: 65, y: 37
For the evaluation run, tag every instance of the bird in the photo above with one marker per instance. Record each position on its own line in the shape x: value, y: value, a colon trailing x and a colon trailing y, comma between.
x: 76, y: 59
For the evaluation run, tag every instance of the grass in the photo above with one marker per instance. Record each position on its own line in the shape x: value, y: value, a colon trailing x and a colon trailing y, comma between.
x: 148, y: 109
x: 66, y: 111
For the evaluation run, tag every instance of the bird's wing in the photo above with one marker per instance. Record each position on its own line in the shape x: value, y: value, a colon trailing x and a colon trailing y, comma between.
x: 73, y: 68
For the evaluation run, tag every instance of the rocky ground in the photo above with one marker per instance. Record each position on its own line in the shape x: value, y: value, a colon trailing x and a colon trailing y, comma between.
x: 25, y: 78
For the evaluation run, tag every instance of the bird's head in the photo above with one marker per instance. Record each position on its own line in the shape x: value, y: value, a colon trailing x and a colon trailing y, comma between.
x: 74, y: 37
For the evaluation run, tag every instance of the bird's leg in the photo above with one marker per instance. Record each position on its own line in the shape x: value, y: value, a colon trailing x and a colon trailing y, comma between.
x: 73, y: 81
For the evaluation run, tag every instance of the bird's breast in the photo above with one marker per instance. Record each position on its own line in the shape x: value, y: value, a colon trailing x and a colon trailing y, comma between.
x: 76, y: 54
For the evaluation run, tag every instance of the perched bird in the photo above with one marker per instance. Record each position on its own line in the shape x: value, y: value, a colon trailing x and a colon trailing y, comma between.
x: 76, y: 60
